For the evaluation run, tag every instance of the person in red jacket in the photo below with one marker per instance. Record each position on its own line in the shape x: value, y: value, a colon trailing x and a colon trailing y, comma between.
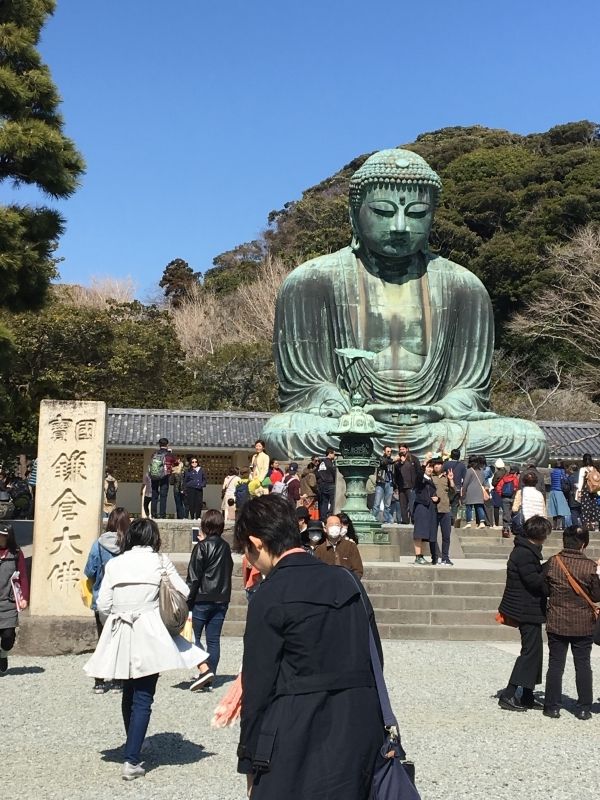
x: 507, y: 487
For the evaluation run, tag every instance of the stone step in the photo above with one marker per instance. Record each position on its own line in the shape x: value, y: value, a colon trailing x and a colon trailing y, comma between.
x: 457, y: 588
x: 462, y: 633
x: 436, y: 602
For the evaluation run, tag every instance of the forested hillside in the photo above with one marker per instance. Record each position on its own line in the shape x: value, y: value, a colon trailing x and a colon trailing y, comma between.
x: 506, y: 199
x: 522, y: 212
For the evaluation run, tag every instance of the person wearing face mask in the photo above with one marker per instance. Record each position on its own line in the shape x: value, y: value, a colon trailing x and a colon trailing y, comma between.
x: 338, y: 550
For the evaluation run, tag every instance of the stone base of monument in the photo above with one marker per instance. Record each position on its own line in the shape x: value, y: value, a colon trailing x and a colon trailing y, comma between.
x: 55, y: 636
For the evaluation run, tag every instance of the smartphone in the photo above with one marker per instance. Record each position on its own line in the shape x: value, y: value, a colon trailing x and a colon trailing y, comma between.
x: 195, y: 532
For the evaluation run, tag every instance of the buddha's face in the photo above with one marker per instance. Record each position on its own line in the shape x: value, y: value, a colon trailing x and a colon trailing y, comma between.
x: 395, y: 222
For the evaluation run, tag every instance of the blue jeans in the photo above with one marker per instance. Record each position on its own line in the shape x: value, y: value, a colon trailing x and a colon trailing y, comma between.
x: 384, y: 493
x: 210, y: 616
x: 136, y: 705
x: 479, y: 512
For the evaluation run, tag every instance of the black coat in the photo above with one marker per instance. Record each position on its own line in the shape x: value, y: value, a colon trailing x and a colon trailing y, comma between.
x: 308, y: 694
x: 525, y: 593
x: 209, y: 572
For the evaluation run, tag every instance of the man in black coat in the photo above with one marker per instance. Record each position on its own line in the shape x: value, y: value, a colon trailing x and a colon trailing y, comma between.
x: 311, y: 722
x: 524, y: 601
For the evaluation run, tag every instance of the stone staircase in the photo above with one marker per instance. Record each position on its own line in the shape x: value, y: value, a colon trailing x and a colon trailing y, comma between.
x: 416, y: 602
x: 487, y: 543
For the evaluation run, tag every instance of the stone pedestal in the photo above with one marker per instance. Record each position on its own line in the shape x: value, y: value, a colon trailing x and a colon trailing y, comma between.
x: 68, y: 504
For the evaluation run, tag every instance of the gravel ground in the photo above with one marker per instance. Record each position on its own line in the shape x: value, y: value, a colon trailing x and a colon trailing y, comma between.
x: 64, y: 741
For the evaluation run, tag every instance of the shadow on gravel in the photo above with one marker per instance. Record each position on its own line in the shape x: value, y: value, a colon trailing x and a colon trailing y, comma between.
x: 220, y: 680
x: 163, y: 749
x: 570, y: 705
x: 25, y: 670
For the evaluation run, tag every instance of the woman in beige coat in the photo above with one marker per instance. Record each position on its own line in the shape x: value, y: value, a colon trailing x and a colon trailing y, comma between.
x: 135, y: 645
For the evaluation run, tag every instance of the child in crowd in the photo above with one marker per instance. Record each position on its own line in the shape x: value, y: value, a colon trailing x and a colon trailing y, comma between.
x: 14, y: 590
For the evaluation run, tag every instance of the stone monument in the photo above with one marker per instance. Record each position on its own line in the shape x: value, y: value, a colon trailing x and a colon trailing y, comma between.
x: 428, y: 321
x: 68, y: 504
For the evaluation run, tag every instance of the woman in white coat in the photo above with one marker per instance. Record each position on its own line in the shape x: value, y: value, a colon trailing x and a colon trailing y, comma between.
x: 135, y: 645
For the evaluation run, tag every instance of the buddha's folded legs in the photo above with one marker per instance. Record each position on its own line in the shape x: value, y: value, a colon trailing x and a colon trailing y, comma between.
x: 300, y: 435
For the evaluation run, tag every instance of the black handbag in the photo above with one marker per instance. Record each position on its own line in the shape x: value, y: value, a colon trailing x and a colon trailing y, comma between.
x: 394, y: 775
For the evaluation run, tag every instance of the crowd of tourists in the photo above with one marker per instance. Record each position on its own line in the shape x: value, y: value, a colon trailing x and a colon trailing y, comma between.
x: 305, y: 643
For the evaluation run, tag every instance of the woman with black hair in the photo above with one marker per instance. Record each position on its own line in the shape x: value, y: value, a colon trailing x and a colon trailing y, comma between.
x: 348, y: 530
x: 104, y: 548
x: 307, y: 684
x: 135, y: 646
x: 524, y: 602
x: 590, y: 512
x: 12, y: 561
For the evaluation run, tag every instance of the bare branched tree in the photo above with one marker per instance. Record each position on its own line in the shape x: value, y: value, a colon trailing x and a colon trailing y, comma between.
x: 205, y: 321
x: 256, y: 302
x: 569, y: 311
x: 551, y: 391
x: 201, y: 324
x: 100, y: 292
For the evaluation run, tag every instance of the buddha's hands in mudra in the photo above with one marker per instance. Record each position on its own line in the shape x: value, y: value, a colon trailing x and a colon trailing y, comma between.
x: 405, y: 414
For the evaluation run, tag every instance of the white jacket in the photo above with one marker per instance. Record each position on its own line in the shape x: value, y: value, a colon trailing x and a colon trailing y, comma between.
x: 134, y: 641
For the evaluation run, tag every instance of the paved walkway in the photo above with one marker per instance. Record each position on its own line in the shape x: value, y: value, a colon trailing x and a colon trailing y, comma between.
x: 62, y: 741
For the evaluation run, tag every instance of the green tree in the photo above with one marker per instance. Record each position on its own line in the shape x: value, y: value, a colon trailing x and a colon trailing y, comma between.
x: 177, y: 280
x: 33, y: 150
x: 237, y: 377
x: 65, y: 352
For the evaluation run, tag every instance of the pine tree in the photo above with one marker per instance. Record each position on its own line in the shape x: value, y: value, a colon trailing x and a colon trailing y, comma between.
x: 33, y: 150
x: 178, y: 279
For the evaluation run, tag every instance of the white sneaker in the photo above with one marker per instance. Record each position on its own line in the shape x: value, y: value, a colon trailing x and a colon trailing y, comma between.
x: 481, y: 525
x: 468, y: 525
x: 132, y: 771
x: 202, y: 681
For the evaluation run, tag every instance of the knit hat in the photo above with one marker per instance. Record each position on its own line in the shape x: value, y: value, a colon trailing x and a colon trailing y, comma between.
x: 499, y: 464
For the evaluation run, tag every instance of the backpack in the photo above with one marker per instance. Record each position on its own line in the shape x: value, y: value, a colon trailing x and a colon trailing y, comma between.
x: 592, y: 480
x: 241, y: 494
x: 279, y: 487
x: 158, y: 466
x: 111, y: 491
x: 508, y: 488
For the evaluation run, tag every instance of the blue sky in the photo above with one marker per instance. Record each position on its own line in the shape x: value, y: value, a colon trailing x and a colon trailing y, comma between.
x: 198, y: 118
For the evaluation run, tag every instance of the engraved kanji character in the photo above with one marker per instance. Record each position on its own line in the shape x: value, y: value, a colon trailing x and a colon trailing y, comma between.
x: 85, y: 429
x: 59, y: 427
x: 64, y: 540
x: 66, y: 505
x: 64, y: 576
x: 70, y: 467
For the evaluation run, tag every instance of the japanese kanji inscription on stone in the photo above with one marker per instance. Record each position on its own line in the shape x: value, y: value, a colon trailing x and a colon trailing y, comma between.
x: 68, y: 502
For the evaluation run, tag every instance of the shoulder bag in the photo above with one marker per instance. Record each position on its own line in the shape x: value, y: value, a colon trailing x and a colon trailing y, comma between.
x: 486, y: 494
x: 171, y: 603
x: 578, y: 589
x: 393, y: 776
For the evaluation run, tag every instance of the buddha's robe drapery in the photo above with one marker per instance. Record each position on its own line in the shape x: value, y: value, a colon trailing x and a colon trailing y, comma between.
x: 434, y: 389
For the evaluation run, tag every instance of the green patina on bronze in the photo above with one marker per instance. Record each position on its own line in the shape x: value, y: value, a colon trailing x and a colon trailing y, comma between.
x: 355, y: 431
x: 425, y: 321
